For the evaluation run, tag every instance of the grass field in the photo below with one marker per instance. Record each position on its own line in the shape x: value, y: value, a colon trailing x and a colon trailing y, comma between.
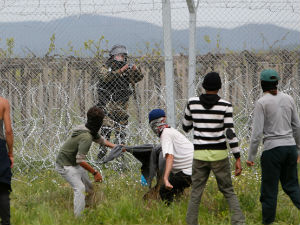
x: 48, y: 200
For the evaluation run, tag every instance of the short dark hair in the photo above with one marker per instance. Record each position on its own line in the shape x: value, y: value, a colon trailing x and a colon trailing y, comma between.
x: 95, y: 113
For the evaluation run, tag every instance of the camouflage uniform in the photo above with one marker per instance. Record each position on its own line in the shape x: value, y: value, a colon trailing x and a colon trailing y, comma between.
x: 114, y: 91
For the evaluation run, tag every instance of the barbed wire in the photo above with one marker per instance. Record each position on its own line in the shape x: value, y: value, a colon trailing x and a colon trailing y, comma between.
x: 50, y: 95
x: 61, y: 8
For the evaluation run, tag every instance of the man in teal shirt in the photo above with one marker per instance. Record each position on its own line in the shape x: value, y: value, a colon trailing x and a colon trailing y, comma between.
x: 70, y: 162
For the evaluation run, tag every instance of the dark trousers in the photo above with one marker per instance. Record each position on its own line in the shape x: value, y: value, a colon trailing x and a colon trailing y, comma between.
x: 4, y: 208
x: 180, y: 181
x: 5, y: 179
x: 279, y: 163
x: 222, y: 172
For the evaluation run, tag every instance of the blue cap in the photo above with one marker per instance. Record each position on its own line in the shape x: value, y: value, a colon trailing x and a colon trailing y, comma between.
x: 155, y: 114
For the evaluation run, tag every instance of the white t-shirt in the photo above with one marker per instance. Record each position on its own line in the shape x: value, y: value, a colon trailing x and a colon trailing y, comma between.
x: 175, y: 143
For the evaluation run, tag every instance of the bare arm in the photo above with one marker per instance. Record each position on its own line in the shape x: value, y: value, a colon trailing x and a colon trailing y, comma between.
x: 109, y: 144
x: 238, y: 167
x: 105, y: 142
x: 88, y: 167
x: 8, y: 131
x: 168, y: 169
x: 83, y: 148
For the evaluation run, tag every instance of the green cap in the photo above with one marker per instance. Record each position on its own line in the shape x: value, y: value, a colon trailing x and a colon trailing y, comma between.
x: 269, y: 75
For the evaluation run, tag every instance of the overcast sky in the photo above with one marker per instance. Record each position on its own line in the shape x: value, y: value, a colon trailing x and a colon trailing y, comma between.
x: 215, y: 13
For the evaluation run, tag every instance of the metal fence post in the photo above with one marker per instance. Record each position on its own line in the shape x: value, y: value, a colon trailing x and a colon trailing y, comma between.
x: 192, y: 46
x: 170, y: 101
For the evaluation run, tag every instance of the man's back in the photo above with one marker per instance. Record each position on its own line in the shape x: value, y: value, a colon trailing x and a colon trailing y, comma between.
x: 6, y: 157
x: 278, y: 111
x: 3, y: 106
x: 276, y: 117
x: 211, y: 123
x: 5, y: 119
x: 175, y: 143
x: 80, y: 141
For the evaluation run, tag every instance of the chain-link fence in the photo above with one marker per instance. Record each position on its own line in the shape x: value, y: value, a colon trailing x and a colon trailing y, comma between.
x: 54, y: 64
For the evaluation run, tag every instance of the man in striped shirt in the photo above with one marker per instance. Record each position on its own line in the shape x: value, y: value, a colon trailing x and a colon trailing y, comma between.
x: 211, y: 118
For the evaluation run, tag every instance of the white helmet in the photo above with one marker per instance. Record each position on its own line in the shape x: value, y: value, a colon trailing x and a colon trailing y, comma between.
x: 118, y: 49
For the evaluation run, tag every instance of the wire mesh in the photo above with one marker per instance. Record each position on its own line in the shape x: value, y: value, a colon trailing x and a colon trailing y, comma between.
x: 52, y: 54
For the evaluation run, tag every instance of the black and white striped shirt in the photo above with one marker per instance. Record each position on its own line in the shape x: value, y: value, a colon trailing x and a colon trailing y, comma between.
x: 212, y: 127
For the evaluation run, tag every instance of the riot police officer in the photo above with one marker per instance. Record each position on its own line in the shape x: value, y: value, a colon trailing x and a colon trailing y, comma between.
x: 117, y: 78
